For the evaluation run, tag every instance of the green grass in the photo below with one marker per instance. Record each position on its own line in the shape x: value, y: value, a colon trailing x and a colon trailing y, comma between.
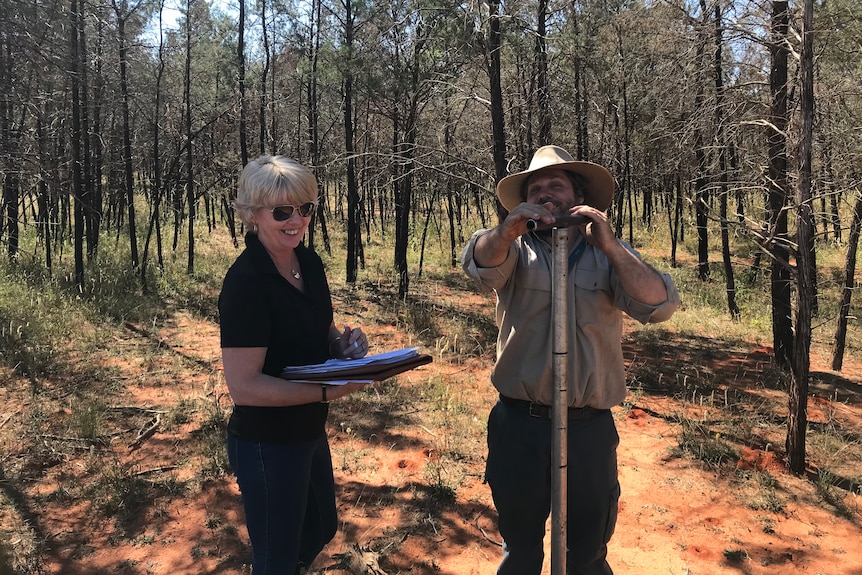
x: 87, y: 419
x: 701, y: 443
x: 735, y: 555
x: 36, y: 317
x: 118, y: 491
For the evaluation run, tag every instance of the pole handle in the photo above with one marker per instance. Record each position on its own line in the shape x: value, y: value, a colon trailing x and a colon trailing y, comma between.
x: 559, y: 222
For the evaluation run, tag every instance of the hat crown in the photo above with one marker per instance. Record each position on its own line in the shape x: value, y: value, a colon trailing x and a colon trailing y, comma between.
x: 548, y: 156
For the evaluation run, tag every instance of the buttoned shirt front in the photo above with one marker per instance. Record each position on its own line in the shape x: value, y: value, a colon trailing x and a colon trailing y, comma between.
x: 595, y: 302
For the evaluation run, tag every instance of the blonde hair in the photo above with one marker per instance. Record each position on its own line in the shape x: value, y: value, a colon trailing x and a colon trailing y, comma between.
x: 270, y: 181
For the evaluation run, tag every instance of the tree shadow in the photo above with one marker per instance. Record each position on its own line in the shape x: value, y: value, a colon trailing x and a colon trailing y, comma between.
x: 740, y: 380
x: 445, y: 525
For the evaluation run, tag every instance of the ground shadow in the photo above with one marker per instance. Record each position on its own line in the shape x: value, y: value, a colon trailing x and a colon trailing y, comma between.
x: 734, y: 375
x: 444, y: 525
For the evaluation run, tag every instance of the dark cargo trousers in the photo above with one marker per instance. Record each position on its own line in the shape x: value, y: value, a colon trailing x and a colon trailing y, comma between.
x: 519, y: 470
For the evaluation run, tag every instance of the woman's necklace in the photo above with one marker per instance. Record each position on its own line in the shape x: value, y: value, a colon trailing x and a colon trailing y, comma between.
x: 296, y: 275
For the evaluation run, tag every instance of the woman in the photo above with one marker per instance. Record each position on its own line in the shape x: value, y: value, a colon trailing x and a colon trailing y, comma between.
x: 275, y: 310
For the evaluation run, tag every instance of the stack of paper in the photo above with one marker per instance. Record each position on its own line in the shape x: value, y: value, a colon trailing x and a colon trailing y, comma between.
x: 365, y: 370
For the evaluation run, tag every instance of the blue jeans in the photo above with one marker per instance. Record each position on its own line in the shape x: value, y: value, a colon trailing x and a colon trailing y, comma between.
x: 288, y: 493
x: 519, y: 473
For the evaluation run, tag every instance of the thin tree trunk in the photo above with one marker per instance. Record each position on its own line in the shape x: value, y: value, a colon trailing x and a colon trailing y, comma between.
x: 404, y: 201
x: 627, y: 184
x: 701, y: 202
x: 406, y: 160
x: 190, y: 180
x: 263, y: 78
x: 619, y: 191
x: 430, y: 210
x: 157, y: 168
x: 782, y: 326
x: 353, y: 229
x: 10, y: 146
x: 128, y: 172
x: 43, y: 198
x: 240, y: 64
x: 543, y: 91
x: 449, y: 143
x: 580, y: 95
x: 96, y: 137
x: 75, y: 142
x: 701, y: 208
x: 91, y: 230
x: 313, y: 113
x: 498, y: 118
x: 678, y: 230
x: 847, y: 288
x: 10, y: 213
x: 832, y: 192
x: 622, y: 138
x: 273, y: 102
x: 729, y: 282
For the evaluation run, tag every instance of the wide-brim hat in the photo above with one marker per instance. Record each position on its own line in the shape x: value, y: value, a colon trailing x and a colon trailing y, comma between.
x: 600, y: 183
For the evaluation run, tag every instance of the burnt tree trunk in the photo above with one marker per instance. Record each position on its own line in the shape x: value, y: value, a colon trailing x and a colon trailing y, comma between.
x: 806, y: 286
x: 782, y: 327
x: 729, y: 282
x: 847, y: 288
x: 498, y: 118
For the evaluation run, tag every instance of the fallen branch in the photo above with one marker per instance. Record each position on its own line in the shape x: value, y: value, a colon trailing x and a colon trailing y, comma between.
x: 135, y: 408
x: 485, y: 535
x: 155, y: 470
x: 146, y: 432
x: 8, y: 418
x: 90, y: 440
x: 358, y: 561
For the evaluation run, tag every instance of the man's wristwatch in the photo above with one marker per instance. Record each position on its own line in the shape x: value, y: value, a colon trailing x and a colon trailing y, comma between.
x: 323, y: 399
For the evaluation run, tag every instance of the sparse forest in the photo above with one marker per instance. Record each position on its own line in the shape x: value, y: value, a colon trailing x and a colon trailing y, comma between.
x: 722, y: 119
x: 731, y: 127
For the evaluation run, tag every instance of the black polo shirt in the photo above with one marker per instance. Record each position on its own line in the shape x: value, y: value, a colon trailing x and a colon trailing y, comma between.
x: 259, y: 308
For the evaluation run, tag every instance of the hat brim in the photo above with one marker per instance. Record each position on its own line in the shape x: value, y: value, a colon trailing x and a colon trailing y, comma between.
x: 600, y: 184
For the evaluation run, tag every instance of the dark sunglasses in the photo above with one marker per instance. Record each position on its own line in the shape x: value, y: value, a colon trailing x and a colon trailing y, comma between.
x: 284, y: 213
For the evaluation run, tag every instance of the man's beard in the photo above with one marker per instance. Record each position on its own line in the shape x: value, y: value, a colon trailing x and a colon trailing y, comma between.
x: 558, y: 210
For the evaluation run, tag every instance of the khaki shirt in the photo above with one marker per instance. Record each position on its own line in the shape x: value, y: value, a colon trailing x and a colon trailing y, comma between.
x: 596, y: 371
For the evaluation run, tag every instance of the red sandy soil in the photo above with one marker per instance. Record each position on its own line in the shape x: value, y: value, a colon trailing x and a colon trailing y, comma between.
x: 677, y: 516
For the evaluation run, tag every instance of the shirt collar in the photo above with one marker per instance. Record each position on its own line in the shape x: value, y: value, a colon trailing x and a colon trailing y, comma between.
x: 259, y: 255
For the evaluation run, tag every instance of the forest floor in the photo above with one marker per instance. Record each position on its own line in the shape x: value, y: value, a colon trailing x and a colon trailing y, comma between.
x: 704, y: 487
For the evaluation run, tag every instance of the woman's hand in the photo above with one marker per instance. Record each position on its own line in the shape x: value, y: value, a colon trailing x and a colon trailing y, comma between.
x: 352, y: 344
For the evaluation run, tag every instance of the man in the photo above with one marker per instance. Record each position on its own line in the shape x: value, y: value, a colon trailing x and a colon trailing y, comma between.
x: 606, y: 277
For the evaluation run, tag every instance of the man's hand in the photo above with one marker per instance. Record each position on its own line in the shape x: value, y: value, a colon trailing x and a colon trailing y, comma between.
x: 515, y: 224
x: 491, y: 248
x: 638, y: 279
x: 598, y: 231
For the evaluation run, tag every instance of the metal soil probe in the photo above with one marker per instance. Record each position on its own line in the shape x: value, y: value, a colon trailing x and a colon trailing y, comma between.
x: 559, y: 419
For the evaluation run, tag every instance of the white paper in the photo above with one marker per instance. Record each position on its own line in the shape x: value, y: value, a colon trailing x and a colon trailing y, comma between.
x: 331, y: 381
x: 336, y: 364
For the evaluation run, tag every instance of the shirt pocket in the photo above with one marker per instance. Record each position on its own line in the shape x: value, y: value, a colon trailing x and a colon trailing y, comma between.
x: 531, y: 301
x: 593, y: 298
x: 534, y: 279
x: 592, y: 279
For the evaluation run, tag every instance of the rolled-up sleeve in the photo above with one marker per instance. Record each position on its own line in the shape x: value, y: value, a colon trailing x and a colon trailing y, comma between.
x: 645, y: 313
x: 488, y: 278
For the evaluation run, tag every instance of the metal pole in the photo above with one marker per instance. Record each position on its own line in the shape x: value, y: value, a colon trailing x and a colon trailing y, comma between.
x: 559, y: 222
x: 559, y: 419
